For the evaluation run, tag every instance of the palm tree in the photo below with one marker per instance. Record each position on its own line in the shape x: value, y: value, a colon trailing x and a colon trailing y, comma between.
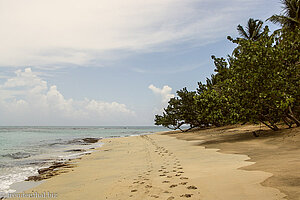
x: 253, y: 30
x: 291, y: 15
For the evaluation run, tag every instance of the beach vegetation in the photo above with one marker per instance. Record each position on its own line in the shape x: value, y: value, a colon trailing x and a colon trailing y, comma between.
x: 290, y: 18
x: 258, y: 83
x: 252, y: 31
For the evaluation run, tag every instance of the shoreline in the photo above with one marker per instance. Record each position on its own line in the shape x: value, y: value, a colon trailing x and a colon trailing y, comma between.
x: 62, y: 164
x: 153, y: 167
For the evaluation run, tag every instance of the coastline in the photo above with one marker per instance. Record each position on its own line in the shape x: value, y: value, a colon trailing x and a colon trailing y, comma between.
x: 194, y: 165
x: 42, y: 150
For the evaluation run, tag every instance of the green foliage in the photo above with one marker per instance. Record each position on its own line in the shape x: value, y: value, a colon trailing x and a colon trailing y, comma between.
x: 259, y: 82
x: 264, y: 76
x: 180, y: 111
x: 253, y: 30
x: 171, y: 116
x: 214, y: 108
x: 291, y: 15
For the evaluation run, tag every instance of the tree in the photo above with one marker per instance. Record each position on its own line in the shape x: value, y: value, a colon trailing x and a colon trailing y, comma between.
x: 264, y: 77
x: 213, y: 107
x: 171, y: 117
x: 253, y: 29
x: 259, y: 82
x: 291, y: 15
x: 180, y: 111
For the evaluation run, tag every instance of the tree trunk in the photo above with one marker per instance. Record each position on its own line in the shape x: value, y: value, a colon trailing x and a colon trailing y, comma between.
x: 292, y: 117
x: 273, y: 127
x: 285, y: 120
x: 187, y: 129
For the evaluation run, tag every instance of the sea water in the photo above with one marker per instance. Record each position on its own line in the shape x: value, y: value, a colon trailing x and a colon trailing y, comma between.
x: 24, y: 150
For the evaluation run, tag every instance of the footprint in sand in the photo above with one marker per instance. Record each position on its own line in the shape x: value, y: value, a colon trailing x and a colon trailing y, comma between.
x: 178, y: 175
x: 169, y: 176
x: 148, y: 186
x: 183, y: 178
x: 155, y: 196
x: 166, y: 182
x: 192, y: 187
x: 186, y: 195
x: 181, y: 172
x: 172, y: 186
x: 162, y: 175
x: 183, y: 183
x: 133, y: 190
x: 167, y: 192
x: 174, y: 170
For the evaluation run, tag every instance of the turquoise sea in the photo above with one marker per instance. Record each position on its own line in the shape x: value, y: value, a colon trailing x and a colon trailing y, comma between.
x: 23, y: 150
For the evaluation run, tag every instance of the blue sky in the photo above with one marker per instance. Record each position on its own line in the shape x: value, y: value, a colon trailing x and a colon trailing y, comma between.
x: 98, y: 62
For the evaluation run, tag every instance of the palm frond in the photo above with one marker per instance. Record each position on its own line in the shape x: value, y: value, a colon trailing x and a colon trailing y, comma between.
x: 252, y: 31
x: 276, y: 19
x: 242, y: 32
x: 291, y: 14
x: 258, y: 29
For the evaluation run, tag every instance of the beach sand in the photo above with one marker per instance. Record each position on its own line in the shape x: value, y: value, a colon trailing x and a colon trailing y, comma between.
x: 226, y: 163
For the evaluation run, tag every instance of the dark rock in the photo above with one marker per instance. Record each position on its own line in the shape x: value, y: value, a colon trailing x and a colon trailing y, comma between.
x: 75, y: 150
x: 90, y: 140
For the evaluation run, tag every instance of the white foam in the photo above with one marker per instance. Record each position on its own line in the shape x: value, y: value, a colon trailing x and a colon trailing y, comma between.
x: 88, y: 149
x: 74, y: 155
x: 14, y: 175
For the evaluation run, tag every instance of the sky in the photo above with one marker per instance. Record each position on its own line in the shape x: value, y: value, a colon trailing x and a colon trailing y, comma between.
x: 110, y: 62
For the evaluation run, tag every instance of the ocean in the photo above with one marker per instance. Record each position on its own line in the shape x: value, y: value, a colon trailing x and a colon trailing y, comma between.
x: 24, y: 150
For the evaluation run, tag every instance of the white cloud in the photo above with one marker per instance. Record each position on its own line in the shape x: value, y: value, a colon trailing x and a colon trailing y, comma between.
x: 26, y: 99
x: 164, y: 94
x: 61, y: 32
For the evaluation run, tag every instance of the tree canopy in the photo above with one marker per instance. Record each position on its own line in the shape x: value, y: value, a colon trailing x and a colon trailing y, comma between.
x: 253, y: 30
x: 290, y: 18
x: 258, y: 83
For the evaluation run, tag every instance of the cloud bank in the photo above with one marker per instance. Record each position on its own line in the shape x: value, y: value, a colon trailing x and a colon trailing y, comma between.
x: 53, y: 33
x: 26, y: 99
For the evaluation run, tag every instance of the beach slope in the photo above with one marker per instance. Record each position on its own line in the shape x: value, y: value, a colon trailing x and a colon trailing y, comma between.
x: 162, y: 167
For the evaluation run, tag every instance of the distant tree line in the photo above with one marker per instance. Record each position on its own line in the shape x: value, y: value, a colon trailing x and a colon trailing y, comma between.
x: 258, y: 83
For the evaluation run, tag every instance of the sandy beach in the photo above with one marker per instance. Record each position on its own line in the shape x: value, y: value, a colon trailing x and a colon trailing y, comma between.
x: 226, y: 163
